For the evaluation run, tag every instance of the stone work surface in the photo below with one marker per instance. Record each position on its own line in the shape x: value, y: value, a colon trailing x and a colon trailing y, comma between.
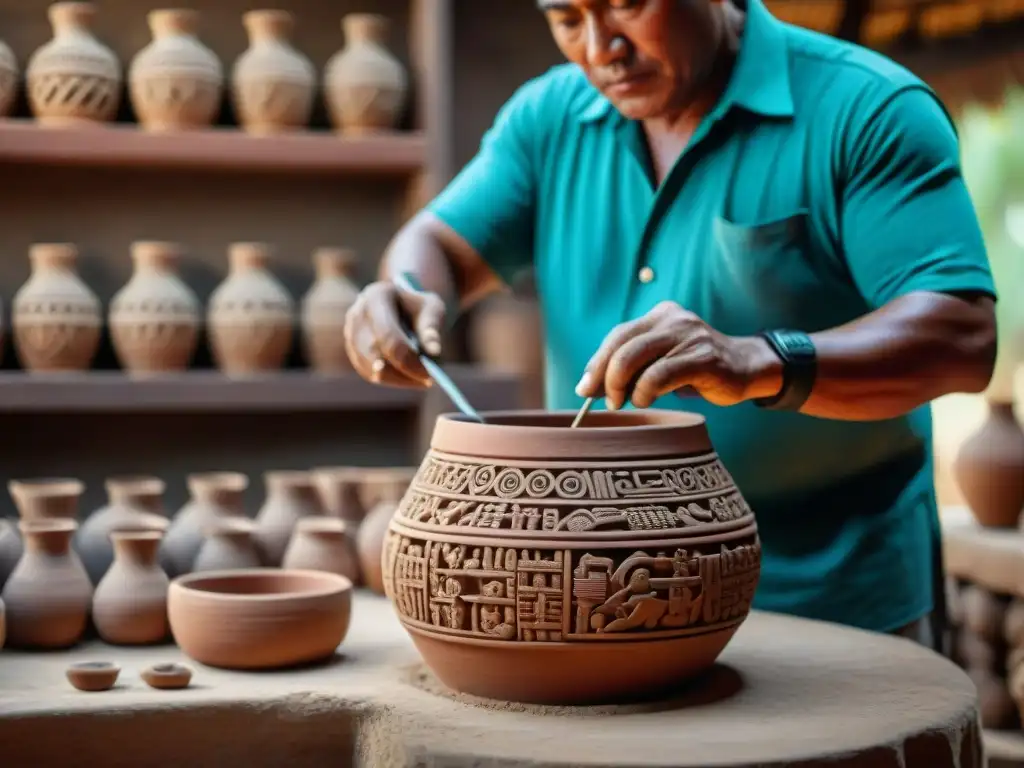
x: 786, y: 692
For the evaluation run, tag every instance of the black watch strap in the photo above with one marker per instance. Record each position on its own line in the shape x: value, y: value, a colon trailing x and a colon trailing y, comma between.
x: 799, y: 369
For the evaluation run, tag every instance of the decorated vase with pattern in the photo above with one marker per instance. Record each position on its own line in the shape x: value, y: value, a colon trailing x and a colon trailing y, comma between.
x: 537, y: 563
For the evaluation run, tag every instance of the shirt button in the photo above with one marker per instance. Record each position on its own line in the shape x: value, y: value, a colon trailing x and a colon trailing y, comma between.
x: 646, y: 275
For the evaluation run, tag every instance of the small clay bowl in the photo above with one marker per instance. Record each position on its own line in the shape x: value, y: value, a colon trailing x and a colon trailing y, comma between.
x: 93, y: 676
x: 167, y: 677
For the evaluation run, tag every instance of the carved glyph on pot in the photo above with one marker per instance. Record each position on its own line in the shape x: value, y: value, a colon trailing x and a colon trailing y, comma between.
x: 324, y: 308
x: 627, y: 541
x: 175, y: 82
x: 154, y: 318
x: 56, y: 318
x: 74, y: 77
x: 8, y: 79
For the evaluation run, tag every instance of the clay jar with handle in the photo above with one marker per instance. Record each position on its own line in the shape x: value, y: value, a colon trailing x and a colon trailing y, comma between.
x: 74, y: 77
x: 56, y: 318
x: 324, y: 307
x: 321, y: 544
x: 272, y: 83
x: 154, y: 318
x: 130, y: 603
x: 133, y: 504
x: 364, y: 84
x: 291, y: 496
x: 11, y: 550
x: 175, y: 82
x: 47, y: 597
x: 229, y: 546
x: 250, y: 315
x: 8, y: 79
x: 46, y: 498
x: 990, y: 468
x: 391, y: 484
x: 215, y: 495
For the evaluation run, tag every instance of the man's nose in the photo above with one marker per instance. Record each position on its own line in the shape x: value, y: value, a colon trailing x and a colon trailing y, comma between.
x: 605, y: 46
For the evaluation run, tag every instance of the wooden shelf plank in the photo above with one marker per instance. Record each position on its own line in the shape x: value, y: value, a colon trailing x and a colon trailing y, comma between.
x: 218, y: 149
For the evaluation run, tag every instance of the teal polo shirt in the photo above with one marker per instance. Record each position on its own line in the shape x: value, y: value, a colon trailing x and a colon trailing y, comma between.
x: 824, y: 184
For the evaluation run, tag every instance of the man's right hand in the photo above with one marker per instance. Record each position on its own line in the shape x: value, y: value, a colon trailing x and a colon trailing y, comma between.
x: 376, y: 343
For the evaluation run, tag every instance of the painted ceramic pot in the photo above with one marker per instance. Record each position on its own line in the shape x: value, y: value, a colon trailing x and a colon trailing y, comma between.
x: 536, y: 563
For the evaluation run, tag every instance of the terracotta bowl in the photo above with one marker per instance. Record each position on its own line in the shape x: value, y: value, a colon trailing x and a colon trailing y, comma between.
x: 536, y: 563
x: 262, y: 618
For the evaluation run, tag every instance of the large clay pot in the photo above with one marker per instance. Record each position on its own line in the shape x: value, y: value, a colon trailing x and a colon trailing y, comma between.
x: 324, y: 308
x: 11, y: 550
x: 154, y: 318
x: 990, y: 468
x: 48, y: 596
x: 506, y: 334
x: 8, y: 79
x: 229, y: 546
x: 46, y: 498
x: 74, y: 77
x: 532, y: 562
x: 175, y: 82
x: 364, y: 84
x: 291, y: 496
x: 133, y: 504
x: 250, y: 315
x: 321, y: 544
x: 56, y: 318
x: 384, y: 490
x: 130, y: 604
x: 215, y: 495
x: 272, y: 83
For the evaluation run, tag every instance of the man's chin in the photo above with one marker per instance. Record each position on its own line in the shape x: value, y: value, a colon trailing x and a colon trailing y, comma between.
x: 637, y: 107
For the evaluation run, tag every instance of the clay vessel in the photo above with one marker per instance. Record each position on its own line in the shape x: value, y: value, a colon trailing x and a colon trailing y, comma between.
x: 536, y: 563
x: 8, y: 79
x: 990, y: 468
x: 340, y: 497
x: 175, y: 82
x: 74, y: 78
x: 322, y: 544
x: 133, y: 504
x: 154, y: 318
x: 291, y: 496
x: 506, y: 334
x: 56, y: 318
x: 259, y: 619
x: 250, y: 315
x: 272, y: 83
x: 167, y: 677
x: 47, y: 597
x: 130, y: 603
x: 391, y: 485
x: 229, y: 546
x: 46, y: 498
x: 11, y: 550
x: 365, y: 86
x: 93, y: 676
x: 214, y: 495
x: 324, y: 308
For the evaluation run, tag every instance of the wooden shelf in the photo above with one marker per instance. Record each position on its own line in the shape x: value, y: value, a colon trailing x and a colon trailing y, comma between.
x: 119, y: 146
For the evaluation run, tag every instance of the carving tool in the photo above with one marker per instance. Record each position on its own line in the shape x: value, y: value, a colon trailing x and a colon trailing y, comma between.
x: 582, y: 412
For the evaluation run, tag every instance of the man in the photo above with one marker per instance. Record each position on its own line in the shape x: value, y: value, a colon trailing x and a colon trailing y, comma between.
x: 715, y: 201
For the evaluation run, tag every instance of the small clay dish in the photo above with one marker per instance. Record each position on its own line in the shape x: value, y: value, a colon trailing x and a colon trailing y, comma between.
x: 93, y: 676
x: 167, y: 677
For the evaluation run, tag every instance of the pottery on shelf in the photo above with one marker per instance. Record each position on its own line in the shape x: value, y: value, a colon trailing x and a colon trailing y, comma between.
x: 74, y: 78
x: 175, y: 82
x: 260, y: 619
x: 341, y: 494
x: 3, y: 625
x: 167, y: 677
x: 272, y: 83
x: 214, y: 495
x: 322, y: 544
x: 506, y: 334
x: 46, y: 498
x: 154, y: 318
x: 93, y: 676
x: 133, y: 504
x: 324, y: 307
x: 55, y: 316
x: 229, y: 546
x: 48, y: 595
x: 11, y: 550
x: 130, y: 603
x: 8, y: 79
x: 626, y: 541
x: 990, y: 468
x: 250, y: 315
x: 291, y: 496
x: 391, y: 484
x: 365, y: 86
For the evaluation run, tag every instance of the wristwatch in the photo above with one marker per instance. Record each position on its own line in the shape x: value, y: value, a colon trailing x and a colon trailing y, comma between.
x: 799, y: 369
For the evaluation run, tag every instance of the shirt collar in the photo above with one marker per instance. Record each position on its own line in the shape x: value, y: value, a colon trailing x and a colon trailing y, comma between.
x: 759, y: 81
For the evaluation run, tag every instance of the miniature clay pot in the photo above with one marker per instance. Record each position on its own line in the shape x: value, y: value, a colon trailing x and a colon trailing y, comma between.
x: 229, y: 546
x: 93, y: 676
x: 133, y: 504
x: 260, y: 619
x: 8, y: 79
x: 250, y: 315
x: 49, y: 593
x: 74, y: 78
x: 365, y: 86
x: 154, y: 318
x: 386, y: 487
x: 324, y: 308
x: 272, y: 82
x: 214, y: 495
x: 537, y: 563
x: 322, y: 544
x: 167, y: 677
x: 291, y: 496
x: 990, y: 469
x: 11, y: 550
x: 55, y: 317
x: 130, y: 603
x: 175, y: 82
x: 46, y: 498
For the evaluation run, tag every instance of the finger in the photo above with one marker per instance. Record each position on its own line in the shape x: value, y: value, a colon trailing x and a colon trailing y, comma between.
x: 592, y: 382
x: 389, y: 337
x: 374, y: 367
x: 430, y: 315
x: 689, y: 368
x: 629, y: 362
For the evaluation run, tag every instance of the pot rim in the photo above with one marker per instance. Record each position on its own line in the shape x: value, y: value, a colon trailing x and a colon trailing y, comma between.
x: 331, y: 584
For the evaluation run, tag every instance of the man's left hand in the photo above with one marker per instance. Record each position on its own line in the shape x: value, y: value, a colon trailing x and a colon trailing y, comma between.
x: 669, y: 349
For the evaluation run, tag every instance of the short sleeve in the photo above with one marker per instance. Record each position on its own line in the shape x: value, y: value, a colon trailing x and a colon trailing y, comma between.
x: 491, y: 203
x: 908, y: 223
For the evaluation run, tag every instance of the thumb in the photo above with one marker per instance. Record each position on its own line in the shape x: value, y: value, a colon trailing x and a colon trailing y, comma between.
x: 429, y: 321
